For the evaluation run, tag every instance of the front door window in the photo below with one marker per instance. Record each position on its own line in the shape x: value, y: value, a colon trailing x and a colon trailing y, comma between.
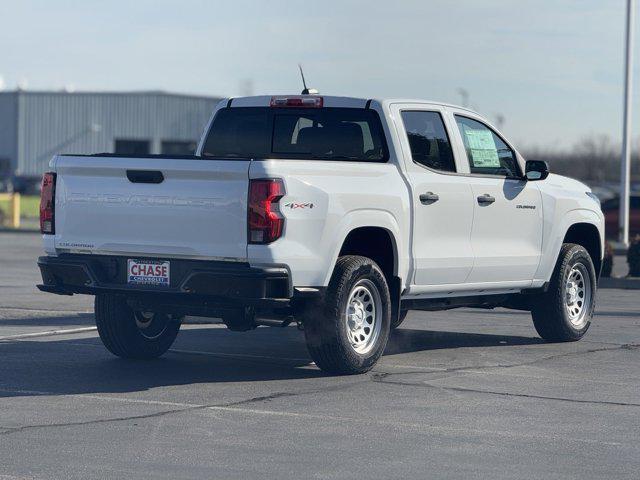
x: 486, y: 152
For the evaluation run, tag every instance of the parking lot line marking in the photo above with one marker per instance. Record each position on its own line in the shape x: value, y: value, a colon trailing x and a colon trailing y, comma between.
x: 48, y: 333
x: 62, y: 312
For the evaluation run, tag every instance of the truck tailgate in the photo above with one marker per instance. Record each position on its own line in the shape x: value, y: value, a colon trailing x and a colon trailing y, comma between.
x: 198, y: 208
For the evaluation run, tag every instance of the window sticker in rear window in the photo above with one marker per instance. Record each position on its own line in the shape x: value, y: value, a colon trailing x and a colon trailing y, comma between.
x: 483, y: 149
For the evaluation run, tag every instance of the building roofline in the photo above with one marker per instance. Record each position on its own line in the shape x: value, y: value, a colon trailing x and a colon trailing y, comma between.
x: 110, y: 93
x: 211, y: 97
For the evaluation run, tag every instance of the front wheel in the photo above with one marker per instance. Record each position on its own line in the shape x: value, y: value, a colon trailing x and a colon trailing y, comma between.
x: 564, y: 312
x: 133, y: 334
x: 348, y: 334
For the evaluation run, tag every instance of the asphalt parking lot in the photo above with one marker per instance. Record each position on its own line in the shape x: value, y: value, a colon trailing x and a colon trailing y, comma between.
x: 459, y: 394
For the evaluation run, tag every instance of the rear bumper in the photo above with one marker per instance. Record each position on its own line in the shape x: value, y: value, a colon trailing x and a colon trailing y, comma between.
x: 192, y: 282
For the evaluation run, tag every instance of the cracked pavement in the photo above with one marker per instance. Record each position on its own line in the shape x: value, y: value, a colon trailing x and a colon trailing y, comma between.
x: 458, y: 394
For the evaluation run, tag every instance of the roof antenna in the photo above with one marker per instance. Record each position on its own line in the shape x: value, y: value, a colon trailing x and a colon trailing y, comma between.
x: 306, y: 91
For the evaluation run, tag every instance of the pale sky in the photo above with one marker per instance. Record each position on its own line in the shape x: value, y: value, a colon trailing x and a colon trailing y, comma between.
x: 553, y: 68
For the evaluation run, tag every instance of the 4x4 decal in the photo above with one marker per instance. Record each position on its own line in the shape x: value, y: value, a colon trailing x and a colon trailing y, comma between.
x: 294, y: 205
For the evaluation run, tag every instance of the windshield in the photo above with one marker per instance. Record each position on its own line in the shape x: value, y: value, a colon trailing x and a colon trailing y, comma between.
x: 305, y: 133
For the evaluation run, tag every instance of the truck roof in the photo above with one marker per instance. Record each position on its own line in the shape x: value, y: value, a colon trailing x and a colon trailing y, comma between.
x: 334, y: 101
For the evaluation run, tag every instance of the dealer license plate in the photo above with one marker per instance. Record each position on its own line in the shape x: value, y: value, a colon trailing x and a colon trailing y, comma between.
x: 148, y: 272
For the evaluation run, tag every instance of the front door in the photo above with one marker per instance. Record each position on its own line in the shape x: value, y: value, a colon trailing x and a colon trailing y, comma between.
x: 506, y: 237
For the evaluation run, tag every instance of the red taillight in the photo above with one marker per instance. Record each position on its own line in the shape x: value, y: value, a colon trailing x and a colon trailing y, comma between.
x: 264, y: 218
x: 298, y: 101
x: 47, y: 203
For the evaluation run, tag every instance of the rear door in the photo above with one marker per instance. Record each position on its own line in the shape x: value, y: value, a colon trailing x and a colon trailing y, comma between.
x: 154, y: 207
x: 442, y: 202
x: 506, y: 237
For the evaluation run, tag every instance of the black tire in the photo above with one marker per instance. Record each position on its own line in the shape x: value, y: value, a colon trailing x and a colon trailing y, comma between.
x: 326, y: 327
x: 120, y: 332
x: 550, y: 312
x: 396, y: 322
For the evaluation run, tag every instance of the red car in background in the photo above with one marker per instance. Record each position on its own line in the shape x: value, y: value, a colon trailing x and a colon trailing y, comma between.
x: 611, y: 210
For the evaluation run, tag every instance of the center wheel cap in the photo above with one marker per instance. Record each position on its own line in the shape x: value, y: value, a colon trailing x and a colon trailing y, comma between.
x: 356, y: 316
x: 359, y: 314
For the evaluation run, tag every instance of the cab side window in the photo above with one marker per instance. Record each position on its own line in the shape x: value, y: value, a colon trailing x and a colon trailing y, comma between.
x: 486, y: 152
x: 428, y: 140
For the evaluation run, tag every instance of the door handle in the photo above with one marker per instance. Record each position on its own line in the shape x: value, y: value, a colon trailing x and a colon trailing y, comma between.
x: 486, y: 199
x: 145, y: 176
x: 429, y: 198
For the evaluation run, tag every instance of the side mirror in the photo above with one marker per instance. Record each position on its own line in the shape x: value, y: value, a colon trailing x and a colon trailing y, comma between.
x: 536, y: 170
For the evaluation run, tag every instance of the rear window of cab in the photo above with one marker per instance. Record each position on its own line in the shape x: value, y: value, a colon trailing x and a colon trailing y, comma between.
x: 349, y: 134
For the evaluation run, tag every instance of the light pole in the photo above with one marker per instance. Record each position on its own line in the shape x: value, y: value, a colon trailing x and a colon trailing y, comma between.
x: 464, y: 95
x: 625, y: 168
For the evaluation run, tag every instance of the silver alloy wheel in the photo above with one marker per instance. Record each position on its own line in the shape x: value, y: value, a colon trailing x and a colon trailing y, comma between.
x: 151, y: 325
x: 577, y: 295
x: 363, y: 316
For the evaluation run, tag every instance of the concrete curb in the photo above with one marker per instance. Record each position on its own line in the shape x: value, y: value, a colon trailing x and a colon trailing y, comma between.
x: 627, y: 283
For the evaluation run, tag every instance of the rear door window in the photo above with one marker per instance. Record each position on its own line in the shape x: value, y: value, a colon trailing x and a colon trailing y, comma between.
x: 318, y: 134
x: 428, y: 140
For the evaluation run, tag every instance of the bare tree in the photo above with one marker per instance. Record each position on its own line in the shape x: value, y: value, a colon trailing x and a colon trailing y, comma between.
x: 593, y: 159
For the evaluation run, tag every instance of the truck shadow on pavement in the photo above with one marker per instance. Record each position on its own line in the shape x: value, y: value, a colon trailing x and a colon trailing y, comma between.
x: 404, y: 340
x: 200, y: 356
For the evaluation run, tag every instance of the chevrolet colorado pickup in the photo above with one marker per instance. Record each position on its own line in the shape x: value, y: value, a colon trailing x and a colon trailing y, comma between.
x: 339, y: 214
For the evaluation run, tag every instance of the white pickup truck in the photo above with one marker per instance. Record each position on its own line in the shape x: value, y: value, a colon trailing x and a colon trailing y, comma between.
x: 340, y: 214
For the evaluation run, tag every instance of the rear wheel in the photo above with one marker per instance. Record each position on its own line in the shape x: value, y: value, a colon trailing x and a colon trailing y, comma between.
x: 133, y: 334
x: 564, y: 312
x: 348, y: 334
